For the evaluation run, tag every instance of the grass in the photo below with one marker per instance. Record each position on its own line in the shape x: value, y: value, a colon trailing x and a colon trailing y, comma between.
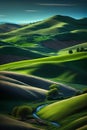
x: 17, y: 51
x: 66, y: 50
x: 58, y: 111
x: 69, y: 68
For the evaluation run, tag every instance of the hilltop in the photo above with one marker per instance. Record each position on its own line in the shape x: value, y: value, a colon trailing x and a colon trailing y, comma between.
x: 7, y: 27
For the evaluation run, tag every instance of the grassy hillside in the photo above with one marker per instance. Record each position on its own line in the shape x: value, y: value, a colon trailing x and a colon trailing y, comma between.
x: 12, y: 50
x: 15, y: 79
x: 63, y: 108
x: 68, y: 68
x: 13, y: 89
x: 7, y: 27
x: 57, y: 28
x: 9, y: 123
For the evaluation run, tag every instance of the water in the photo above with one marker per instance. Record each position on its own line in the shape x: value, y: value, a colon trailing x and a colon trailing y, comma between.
x: 37, y: 117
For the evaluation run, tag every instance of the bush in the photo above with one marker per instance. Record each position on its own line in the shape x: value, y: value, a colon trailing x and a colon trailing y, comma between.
x: 22, y: 112
x: 70, y: 51
x: 53, y: 86
x: 14, y: 111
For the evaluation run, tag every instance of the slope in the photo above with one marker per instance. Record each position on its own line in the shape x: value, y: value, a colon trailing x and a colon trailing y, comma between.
x: 12, y: 124
x: 52, y: 30
x: 35, y: 82
x: 12, y: 53
x: 51, y: 111
x: 68, y: 68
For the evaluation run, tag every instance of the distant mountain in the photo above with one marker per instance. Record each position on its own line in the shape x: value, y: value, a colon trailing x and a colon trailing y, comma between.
x: 7, y: 27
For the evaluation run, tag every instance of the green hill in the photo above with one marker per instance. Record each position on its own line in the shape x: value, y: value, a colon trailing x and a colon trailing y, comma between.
x: 54, y: 29
x: 7, y: 27
x: 70, y: 113
x: 15, y: 79
x: 69, y: 68
x: 73, y: 48
x: 12, y: 53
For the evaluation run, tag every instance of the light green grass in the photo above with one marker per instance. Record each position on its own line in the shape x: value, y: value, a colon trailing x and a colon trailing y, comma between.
x: 73, y: 48
x: 60, y: 110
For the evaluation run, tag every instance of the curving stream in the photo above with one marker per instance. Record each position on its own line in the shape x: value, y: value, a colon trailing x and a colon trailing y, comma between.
x: 37, y: 117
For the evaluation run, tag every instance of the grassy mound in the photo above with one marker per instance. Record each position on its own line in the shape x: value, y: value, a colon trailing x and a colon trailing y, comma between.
x: 69, y: 68
x: 39, y: 83
x: 58, y: 111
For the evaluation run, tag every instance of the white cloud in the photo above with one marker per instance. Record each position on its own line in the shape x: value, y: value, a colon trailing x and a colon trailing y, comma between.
x: 52, y: 4
x: 31, y: 10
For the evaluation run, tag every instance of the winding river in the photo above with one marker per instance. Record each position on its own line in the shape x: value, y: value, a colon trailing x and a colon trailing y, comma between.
x: 37, y: 117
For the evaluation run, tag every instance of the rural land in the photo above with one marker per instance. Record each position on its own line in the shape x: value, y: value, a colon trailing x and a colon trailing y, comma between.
x: 43, y: 74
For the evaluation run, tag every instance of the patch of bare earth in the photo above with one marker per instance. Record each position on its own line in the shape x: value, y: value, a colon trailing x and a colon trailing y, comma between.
x: 57, y: 45
x: 11, y: 58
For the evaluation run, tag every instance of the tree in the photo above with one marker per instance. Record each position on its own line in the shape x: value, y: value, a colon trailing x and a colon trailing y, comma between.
x: 53, y: 86
x: 14, y: 111
x: 70, y: 51
x: 52, y: 94
x: 22, y: 112
x: 78, y: 50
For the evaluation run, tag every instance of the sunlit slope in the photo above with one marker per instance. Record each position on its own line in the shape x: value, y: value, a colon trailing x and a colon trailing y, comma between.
x: 59, y: 111
x: 54, y: 28
x: 36, y: 84
x: 73, y: 48
x: 69, y: 68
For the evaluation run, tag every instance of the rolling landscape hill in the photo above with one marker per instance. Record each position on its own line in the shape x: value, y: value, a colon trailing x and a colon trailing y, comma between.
x: 7, y: 27
x: 40, y: 60
x: 60, y: 31
x: 9, y: 123
x: 67, y: 111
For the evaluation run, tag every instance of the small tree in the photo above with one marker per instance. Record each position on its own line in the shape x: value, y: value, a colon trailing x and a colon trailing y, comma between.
x: 52, y: 94
x: 22, y: 112
x: 14, y: 111
x: 81, y: 49
x: 53, y: 86
x: 78, y: 50
x: 84, y: 91
x: 70, y: 51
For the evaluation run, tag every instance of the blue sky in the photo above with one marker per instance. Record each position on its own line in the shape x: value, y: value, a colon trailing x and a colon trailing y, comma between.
x: 25, y: 11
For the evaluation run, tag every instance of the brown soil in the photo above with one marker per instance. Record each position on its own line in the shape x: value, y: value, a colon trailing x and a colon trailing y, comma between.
x: 57, y: 45
x: 11, y: 58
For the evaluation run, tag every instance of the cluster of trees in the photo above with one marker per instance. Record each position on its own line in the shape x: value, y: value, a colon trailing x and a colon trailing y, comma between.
x: 22, y: 112
x: 79, y: 49
x: 54, y: 93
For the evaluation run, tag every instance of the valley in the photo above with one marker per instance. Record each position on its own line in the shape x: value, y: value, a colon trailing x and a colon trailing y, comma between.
x: 44, y: 64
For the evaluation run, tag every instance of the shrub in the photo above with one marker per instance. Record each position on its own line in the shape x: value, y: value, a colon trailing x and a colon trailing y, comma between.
x: 22, y: 112
x: 78, y: 50
x: 14, y: 111
x: 53, y: 86
x: 70, y: 51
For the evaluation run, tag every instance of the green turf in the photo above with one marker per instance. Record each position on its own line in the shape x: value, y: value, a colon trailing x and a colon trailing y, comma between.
x: 58, y: 111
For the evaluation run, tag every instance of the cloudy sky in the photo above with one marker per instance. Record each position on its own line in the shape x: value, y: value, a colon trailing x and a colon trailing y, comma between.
x: 25, y: 11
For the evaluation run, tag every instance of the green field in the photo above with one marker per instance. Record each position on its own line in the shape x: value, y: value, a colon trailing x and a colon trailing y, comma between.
x: 65, y: 112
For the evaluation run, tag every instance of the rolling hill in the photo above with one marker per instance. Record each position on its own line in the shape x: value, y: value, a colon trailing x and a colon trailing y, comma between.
x: 63, y: 31
x: 12, y: 124
x: 64, y: 68
x: 39, y: 86
x: 7, y: 27
x: 11, y: 53
x: 13, y: 89
x: 70, y: 113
